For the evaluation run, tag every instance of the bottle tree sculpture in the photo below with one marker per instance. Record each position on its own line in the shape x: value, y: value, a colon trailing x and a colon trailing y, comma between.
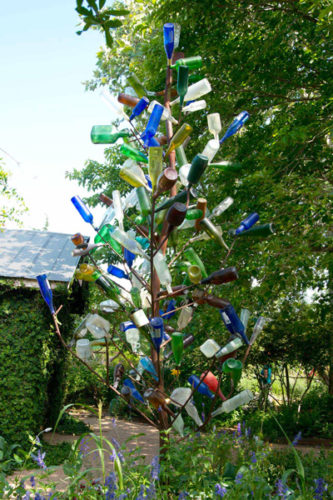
x: 145, y: 291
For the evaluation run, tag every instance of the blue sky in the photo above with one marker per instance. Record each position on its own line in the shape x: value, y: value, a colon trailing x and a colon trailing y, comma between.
x: 46, y: 115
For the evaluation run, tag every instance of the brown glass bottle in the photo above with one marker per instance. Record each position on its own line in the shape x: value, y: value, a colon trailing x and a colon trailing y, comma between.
x: 201, y: 205
x: 176, y: 290
x: 77, y: 239
x: 221, y: 276
x: 128, y: 100
x: 105, y: 199
x: 166, y: 180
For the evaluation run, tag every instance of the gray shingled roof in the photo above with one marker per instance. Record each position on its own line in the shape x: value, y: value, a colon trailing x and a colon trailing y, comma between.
x: 25, y: 254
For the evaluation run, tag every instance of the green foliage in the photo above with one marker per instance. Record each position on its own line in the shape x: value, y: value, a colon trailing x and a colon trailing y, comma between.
x: 71, y: 425
x: 11, y: 204
x: 32, y: 362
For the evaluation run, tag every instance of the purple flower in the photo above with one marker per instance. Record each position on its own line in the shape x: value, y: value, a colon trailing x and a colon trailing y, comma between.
x: 32, y: 481
x: 37, y: 441
x: 39, y: 459
x: 115, y: 443
x: 150, y: 492
x: 253, y: 457
x: 26, y: 496
x: 111, y: 483
x: 320, y: 489
x: 239, y: 477
x: 297, y: 438
x: 155, y: 469
x: 141, y: 493
x: 239, y: 429
x: 183, y: 495
x: 220, y: 491
x: 84, y: 448
x: 114, y: 424
x: 281, y: 489
x: 119, y: 453
x: 248, y: 432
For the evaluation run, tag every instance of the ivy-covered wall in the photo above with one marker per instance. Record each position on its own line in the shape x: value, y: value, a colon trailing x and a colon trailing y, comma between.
x: 32, y: 360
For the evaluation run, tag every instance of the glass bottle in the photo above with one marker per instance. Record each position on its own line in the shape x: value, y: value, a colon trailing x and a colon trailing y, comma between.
x: 102, y: 134
x: 117, y: 205
x: 147, y: 365
x: 247, y: 223
x: 181, y: 196
x: 134, y: 392
x: 139, y: 108
x: 195, y: 260
x: 175, y: 215
x: 82, y: 209
x: 139, y: 318
x: 77, y: 239
x: 258, y: 328
x: 244, y: 317
x: 193, y: 214
x: 182, y: 83
x: 181, y: 156
x: 179, y: 137
x: 201, y: 205
x: 194, y: 273
x: 136, y: 85
x: 227, y: 166
x: 118, y: 374
x: 177, y: 30
x: 182, y: 395
x: 157, y: 331
x: 211, y: 149
x: 133, y: 174
x: 243, y: 398
x: 108, y: 306
x: 45, y: 290
x: 105, y: 235
x: 196, y: 90
x: 128, y: 100
x: 212, y: 231
x: 165, y: 181
x: 231, y: 346
x: 185, y: 317
x: 178, y: 425
x: 221, y: 207
x: 152, y: 124
x: 236, y: 323
x: 113, y: 104
x: 198, y: 166
x: 166, y: 115
x: 133, y: 153
x: 233, y: 367
x: 177, y: 346
x: 200, y: 386
x: 83, y: 349
x: 155, y: 164
x: 98, y: 326
x: 193, y: 62
x: 261, y: 231
x: 213, y: 384
x: 132, y: 336
x: 105, y: 199
x: 209, y: 348
x: 221, y: 276
x: 194, y: 106
x: 162, y: 271
x: 144, y: 201
x: 183, y: 174
x: 214, y: 124
x: 169, y: 38
x: 127, y: 242
x: 117, y: 272
x: 235, y: 125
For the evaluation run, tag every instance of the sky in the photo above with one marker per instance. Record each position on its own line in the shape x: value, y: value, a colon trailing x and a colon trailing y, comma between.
x: 45, y: 113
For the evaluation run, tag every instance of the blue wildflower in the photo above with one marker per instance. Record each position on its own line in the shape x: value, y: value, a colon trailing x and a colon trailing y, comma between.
x: 321, y: 487
x: 114, y: 424
x: 297, y: 438
x: 220, y: 491
x: 183, y: 495
x: 150, y: 492
x: 141, y: 493
x: 155, y: 469
x: 84, y: 448
x: 32, y: 481
x: 253, y: 457
x: 117, y: 446
x: 239, y: 429
x: 39, y: 459
x: 238, y: 478
x: 111, y: 483
x: 281, y: 489
x: 26, y: 496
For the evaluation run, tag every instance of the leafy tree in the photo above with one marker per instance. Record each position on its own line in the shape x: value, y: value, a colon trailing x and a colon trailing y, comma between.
x: 11, y: 204
x: 272, y: 59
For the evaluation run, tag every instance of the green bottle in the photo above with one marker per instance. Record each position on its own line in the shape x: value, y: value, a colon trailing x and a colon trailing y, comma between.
x: 135, y: 294
x: 198, y: 166
x: 181, y: 156
x: 193, y: 213
x: 109, y: 288
x: 194, y: 259
x: 155, y: 164
x: 233, y: 367
x: 227, y: 166
x: 262, y: 230
x: 102, y: 134
x: 194, y: 62
x: 139, y: 219
x: 131, y: 152
x: 105, y: 235
x: 177, y: 346
x: 144, y: 201
x: 181, y: 196
x: 136, y: 85
x: 179, y: 137
x: 182, y: 83
x: 212, y: 231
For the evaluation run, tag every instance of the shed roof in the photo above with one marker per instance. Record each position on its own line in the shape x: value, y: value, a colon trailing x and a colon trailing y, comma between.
x: 25, y: 254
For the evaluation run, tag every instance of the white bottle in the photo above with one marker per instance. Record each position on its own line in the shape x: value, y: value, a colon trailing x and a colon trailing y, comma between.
x: 184, y: 318
x: 162, y: 271
x: 230, y: 347
x: 139, y: 318
x: 209, y: 348
x: 221, y: 207
x: 179, y: 397
x: 196, y: 90
x: 119, y: 214
x: 211, y: 149
x: 81, y: 330
x: 98, y: 326
x: 214, y: 124
x: 127, y: 242
x: 178, y: 425
x: 243, y: 398
x: 108, y: 306
x: 133, y: 338
x: 183, y: 173
x: 83, y: 349
x: 258, y: 327
x: 244, y: 317
x: 166, y: 115
x: 194, y: 106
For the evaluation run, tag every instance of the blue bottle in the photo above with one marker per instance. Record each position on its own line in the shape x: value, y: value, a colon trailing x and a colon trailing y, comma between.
x: 139, y: 108
x: 129, y: 257
x: 82, y: 209
x: 152, y: 142
x: 153, y: 123
x: 169, y: 40
x: 202, y: 388
x: 126, y: 325
x: 236, y: 125
x: 157, y: 331
x: 144, y: 242
x: 247, y: 223
x: 45, y: 290
x: 119, y: 273
x: 134, y: 392
x: 147, y: 365
x: 170, y: 310
x: 236, y: 324
x: 148, y: 179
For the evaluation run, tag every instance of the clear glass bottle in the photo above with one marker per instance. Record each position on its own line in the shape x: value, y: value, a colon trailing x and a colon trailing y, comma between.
x: 162, y: 271
x: 240, y: 399
x: 214, y: 124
